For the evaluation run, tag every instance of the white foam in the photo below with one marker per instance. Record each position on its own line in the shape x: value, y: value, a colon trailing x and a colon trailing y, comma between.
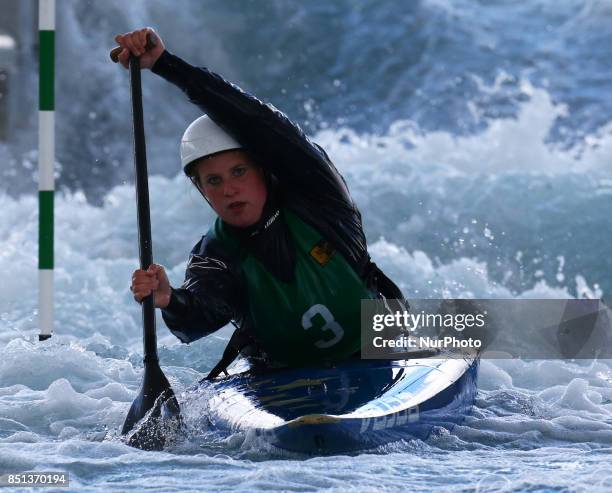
x: 83, y: 379
x: 577, y: 396
x: 507, y: 145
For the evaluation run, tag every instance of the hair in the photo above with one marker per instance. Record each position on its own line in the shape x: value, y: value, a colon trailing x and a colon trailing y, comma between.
x: 190, y: 171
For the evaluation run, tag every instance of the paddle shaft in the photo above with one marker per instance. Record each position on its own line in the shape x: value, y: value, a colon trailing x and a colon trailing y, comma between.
x: 142, y: 201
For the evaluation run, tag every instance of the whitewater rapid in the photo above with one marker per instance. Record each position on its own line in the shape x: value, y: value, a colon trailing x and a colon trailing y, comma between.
x: 475, y: 140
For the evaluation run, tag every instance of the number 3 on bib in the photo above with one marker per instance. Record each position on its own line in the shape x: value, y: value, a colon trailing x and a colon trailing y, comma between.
x: 330, y: 325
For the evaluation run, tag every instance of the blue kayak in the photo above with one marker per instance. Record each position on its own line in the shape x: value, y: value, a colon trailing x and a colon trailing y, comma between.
x: 348, y: 407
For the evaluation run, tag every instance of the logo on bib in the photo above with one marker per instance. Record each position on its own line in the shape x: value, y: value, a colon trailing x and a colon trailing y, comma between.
x: 322, y: 252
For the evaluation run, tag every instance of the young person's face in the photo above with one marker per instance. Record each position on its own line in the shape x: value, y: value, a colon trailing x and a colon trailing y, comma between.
x: 235, y: 186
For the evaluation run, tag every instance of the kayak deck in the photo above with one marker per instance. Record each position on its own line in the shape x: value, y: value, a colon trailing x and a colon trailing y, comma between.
x: 348, y: 407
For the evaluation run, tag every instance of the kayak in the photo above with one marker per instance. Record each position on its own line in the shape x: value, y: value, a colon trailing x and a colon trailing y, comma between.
x: 348, y: 407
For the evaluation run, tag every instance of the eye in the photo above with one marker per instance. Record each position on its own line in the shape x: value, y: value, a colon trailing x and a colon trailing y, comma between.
x: 239, y: 170
x: 213, y: 180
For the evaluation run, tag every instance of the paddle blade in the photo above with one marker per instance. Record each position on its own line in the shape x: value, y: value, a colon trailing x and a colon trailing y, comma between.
x: 155, y: 391
x: 159, y: 426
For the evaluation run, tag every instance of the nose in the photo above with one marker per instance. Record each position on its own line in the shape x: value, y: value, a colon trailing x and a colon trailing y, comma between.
x: 229, y: 189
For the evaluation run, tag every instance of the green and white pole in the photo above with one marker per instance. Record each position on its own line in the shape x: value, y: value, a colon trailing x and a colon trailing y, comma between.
x: 46, y: 159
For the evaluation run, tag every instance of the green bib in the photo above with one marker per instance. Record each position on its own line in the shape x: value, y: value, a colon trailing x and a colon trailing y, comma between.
x: 316, y: 317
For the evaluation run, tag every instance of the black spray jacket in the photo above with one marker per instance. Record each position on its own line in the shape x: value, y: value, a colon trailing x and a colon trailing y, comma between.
x: 301, y: 178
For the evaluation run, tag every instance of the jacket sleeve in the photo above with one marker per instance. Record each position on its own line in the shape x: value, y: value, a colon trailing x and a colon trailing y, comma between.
x: 300, y: 166
x: 208, y: 299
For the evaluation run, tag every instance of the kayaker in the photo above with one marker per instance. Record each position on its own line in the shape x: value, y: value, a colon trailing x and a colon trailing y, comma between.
x: 286, y: 259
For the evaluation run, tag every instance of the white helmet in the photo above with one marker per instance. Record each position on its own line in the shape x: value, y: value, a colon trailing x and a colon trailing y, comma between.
x: 203, y: 138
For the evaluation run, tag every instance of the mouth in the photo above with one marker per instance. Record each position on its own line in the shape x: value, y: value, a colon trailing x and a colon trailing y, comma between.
x: 236, y: 206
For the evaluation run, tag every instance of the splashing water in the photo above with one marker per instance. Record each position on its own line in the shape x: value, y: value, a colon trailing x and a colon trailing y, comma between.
x: 476, y: 143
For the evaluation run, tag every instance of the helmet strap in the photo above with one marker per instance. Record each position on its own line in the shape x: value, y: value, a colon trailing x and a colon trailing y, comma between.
x: 195, y: 184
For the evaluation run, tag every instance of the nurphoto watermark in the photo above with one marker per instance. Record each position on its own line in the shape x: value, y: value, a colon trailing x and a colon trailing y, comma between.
x: 491, y: 328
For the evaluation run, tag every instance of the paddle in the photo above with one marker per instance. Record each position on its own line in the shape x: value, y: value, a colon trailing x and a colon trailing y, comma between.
x: 155, y: 392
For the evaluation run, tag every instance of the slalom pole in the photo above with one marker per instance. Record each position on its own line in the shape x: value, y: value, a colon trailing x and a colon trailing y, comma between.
x: 46, y: 159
